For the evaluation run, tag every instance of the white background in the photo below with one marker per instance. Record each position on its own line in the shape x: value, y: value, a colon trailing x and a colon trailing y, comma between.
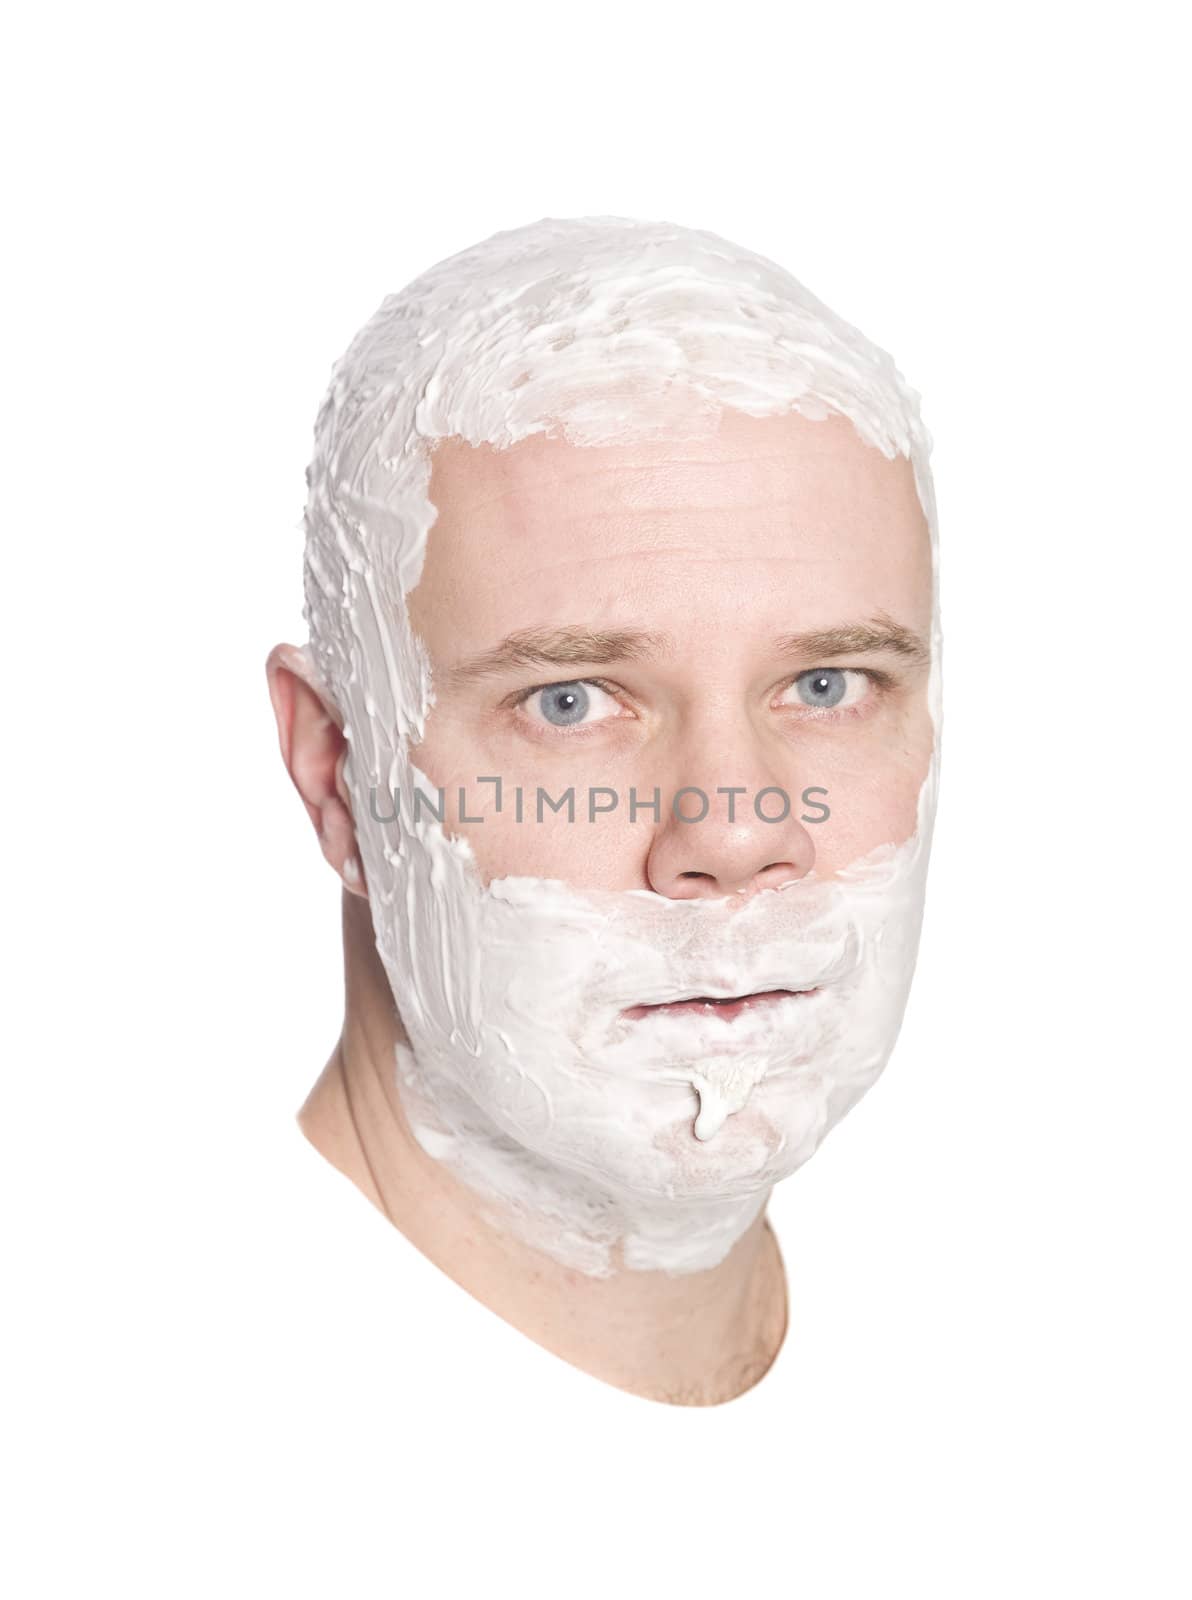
x: 203, y: 206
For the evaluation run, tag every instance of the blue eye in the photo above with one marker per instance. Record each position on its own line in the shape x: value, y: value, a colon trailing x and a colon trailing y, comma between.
x: 824, y: 686
x: 564, y: 703
x: 830, y: 688
x: 572, y: 704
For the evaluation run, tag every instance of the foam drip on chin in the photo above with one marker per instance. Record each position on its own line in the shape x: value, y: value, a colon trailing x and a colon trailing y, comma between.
x: 714, y: 1107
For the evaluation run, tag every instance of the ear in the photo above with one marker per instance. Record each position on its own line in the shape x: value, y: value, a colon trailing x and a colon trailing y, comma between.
x: 314, y: 749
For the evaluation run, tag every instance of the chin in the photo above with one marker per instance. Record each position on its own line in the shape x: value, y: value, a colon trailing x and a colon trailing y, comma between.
x: 659, y: 1159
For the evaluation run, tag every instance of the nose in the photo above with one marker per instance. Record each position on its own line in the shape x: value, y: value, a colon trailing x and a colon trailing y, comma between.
x: 729, y: 838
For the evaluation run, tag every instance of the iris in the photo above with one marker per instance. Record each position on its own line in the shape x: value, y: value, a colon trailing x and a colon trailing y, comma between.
x: 564, y: 703
x: 823, y: 686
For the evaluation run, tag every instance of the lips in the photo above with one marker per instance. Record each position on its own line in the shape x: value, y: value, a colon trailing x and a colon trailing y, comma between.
x: 726, y: 1008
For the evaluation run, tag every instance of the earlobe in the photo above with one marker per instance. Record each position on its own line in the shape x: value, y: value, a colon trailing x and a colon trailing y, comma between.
x: 337, y: 835
x: 350, y: 868
x: 314, y: 750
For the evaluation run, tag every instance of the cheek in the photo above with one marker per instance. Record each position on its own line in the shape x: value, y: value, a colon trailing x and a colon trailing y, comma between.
x: 521, y: 836
x: 873, y: 793
x: 603, y: 854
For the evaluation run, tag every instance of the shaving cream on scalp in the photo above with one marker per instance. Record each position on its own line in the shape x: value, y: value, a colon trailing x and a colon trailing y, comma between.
x: 605, y: 1143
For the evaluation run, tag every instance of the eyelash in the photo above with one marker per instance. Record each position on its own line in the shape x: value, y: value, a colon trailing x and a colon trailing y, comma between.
x: 880, y: 681
x: 523, y: 695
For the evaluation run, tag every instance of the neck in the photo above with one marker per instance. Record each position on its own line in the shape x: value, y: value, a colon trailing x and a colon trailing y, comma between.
x: 697, y: 1338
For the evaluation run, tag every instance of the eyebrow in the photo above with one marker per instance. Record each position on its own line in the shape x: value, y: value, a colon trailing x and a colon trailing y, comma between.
x: 576, y: 646
x: 857, y: 639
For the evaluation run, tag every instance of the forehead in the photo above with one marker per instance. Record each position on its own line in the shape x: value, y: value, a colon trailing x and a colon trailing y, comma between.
x: 765, y: 512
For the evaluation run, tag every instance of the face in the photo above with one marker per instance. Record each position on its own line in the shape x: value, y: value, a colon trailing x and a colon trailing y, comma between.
x: 613, y: 1010
x: 744, y: 615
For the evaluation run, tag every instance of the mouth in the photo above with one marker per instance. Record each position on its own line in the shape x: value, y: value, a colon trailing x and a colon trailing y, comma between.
x: 727, y: 1009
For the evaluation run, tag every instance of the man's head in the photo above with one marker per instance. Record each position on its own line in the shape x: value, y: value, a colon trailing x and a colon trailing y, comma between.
x: 617, y: 514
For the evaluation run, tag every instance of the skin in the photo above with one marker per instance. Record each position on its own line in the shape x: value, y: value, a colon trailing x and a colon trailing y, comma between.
x: 717, y: 548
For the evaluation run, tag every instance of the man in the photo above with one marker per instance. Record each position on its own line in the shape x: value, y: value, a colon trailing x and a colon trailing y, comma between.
x: 618, y: 723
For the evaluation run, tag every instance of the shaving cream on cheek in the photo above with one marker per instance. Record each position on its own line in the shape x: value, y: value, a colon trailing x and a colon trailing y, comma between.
x: 604, y: 1141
